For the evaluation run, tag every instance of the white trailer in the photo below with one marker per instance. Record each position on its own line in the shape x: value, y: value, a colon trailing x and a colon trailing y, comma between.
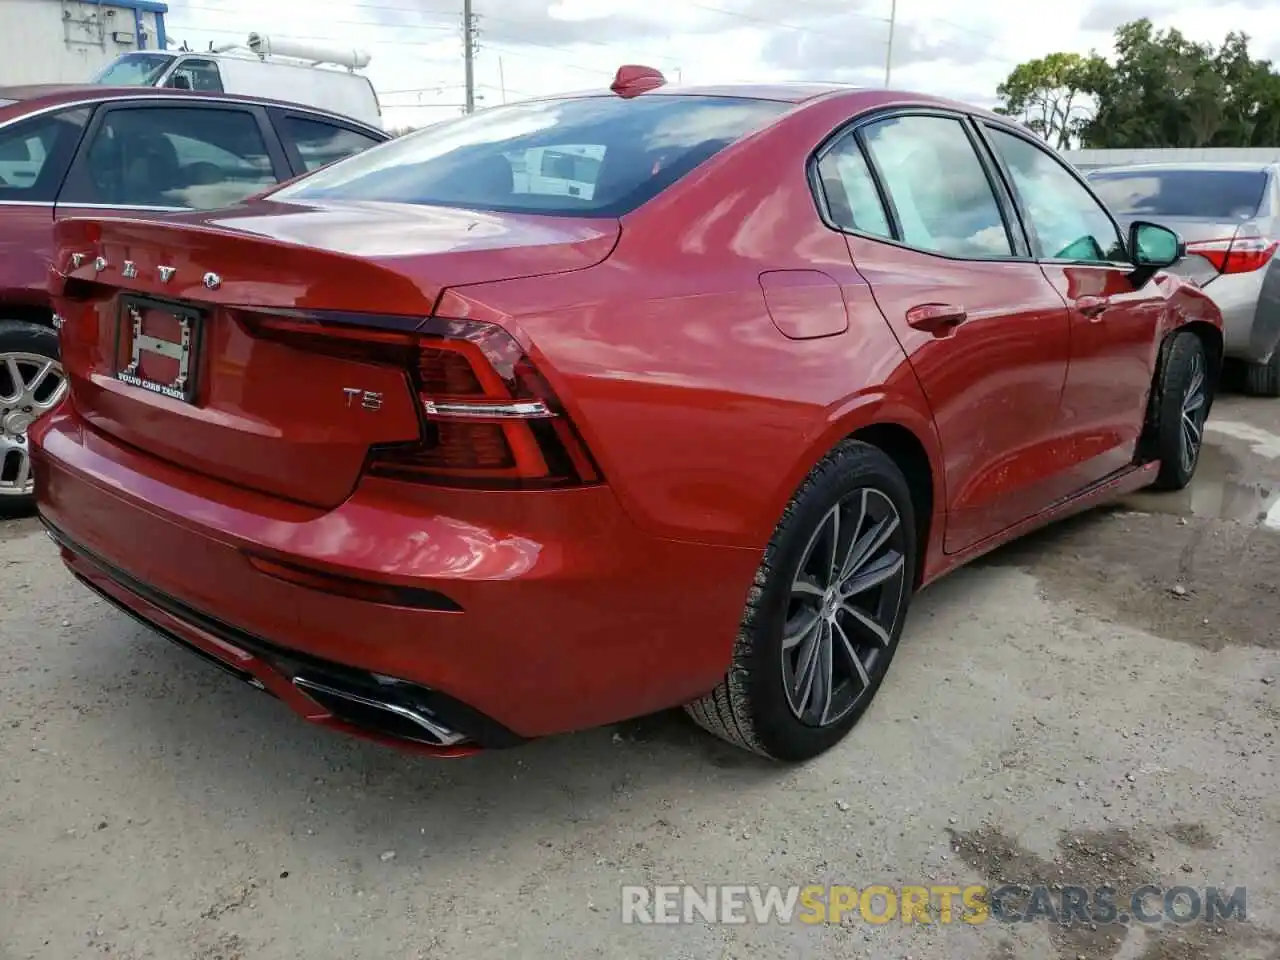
x: 68, y: 41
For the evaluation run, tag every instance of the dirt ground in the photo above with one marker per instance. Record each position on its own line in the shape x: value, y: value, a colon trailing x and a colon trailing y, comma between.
x: 1099, y: 704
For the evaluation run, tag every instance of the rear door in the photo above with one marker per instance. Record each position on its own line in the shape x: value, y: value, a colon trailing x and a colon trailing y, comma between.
x: 167, y: 156
x: 1113, y: 321
x: 312, y: 141
x: 929, y: 228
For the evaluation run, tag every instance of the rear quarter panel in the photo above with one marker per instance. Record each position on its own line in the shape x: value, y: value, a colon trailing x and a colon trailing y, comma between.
x: 703, y: 416
x: 26, y: 245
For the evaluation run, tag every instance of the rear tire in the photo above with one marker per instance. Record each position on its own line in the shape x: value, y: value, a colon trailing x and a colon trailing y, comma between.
x: 1263, y: 379
x: 825, y: 612
x: 31, y: 383
x: 1183, y: 398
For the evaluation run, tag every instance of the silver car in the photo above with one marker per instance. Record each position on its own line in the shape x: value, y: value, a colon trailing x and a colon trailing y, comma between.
x: 1229, y: 215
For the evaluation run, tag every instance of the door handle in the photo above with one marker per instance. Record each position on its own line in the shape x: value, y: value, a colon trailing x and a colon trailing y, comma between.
x: 1092, y: 307
x: 936, y: 318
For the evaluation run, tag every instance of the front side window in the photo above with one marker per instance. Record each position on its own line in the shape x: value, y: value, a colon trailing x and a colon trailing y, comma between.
x: 590, y: 156
x: 200, y: 75
x: 1067, y: 223
x: 320, y: 144
x: 134, y: 70
x: 34, y: 155
x: 850, y: 190
x: 174, y: 157
x: 940, y: 191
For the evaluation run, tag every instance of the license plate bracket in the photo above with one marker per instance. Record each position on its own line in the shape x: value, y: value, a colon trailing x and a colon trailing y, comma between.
x: 158, y: 346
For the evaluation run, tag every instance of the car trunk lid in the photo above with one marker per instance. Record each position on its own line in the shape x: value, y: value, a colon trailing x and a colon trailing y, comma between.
x: 159, y: 336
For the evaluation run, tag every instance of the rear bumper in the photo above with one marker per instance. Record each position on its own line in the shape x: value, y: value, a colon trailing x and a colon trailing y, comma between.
x: 555, y: 612
x: 1250, y: 305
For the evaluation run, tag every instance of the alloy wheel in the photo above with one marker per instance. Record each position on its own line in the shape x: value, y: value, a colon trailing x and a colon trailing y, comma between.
x: 1194, y: 410
x: 30, y: 386
x: 843, y: 607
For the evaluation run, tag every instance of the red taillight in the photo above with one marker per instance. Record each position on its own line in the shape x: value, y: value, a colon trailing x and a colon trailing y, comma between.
x: 489, y: 419
x: 1240, y: 255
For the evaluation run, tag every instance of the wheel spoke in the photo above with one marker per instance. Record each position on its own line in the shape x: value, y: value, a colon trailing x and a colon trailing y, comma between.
x: 805, y: 588
x: 793, y: 637
x: 41, y: 375
x: 851, y: 654
x: 806, y: 669
x: 868, y: 545
x: 1194, y: 402
x: 833, y: 565
x: 15, y: 378
x: 872, y: 575
x: 24, y: 470
x: 824, y: 682
x: 851, y: 555
x: 866, y: 623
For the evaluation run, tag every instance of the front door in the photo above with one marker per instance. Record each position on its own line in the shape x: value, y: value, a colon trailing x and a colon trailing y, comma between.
x: 986, y: 333
x: 1114, y: 322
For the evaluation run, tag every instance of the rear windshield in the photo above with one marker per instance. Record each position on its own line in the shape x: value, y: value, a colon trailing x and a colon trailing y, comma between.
x: 1213, y: 194
x: 594, y: 156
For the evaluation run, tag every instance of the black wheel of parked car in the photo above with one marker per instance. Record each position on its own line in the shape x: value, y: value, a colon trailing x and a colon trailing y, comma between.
x: 31, y: 383
x: 1184, y: 395
x: 825, y: 613
x: 1263, y: 379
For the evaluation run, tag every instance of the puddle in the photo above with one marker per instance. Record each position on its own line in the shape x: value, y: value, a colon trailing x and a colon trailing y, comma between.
x: 1262, y: 443
x: 1221, y: 491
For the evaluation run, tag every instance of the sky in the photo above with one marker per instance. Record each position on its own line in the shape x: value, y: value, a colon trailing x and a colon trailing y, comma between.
x: 535, y: 47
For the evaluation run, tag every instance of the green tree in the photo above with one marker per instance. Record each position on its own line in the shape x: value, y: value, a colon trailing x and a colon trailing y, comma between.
x: 1048, y: 94
x: 1159, y: 90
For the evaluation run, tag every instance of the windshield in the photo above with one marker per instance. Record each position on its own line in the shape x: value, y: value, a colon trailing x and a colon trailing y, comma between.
x: 134, y: 70
x: 1209, y: 194
x: 594, y: 156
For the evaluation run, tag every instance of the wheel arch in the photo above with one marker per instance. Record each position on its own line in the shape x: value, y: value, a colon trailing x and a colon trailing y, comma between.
x: 1214, y: 344
x: 903, y: 429
x: 37, y: 313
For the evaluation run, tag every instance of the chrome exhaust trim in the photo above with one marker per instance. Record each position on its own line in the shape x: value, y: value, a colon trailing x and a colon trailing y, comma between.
x: 436, y: 733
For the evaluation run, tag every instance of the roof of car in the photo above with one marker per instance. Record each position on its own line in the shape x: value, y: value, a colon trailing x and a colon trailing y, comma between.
x: 54, y: 94
x: 798, y: 92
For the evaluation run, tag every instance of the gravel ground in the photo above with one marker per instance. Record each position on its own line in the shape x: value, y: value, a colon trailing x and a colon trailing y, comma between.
x: 1093, y: 705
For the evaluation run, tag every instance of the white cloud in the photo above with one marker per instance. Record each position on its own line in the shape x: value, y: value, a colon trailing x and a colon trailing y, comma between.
x: 533, y: 47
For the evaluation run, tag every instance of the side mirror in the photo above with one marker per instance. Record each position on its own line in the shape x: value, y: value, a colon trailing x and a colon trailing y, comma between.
x: 181, y: 82
x: 1154, y: 247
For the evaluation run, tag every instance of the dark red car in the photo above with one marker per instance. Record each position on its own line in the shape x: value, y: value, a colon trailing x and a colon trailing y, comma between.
x: 136, y: 151
x: 448, y: 445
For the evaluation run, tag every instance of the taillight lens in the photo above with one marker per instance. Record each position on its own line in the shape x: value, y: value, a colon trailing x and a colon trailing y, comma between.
x: 489, y: 419
x: 1238, y: 255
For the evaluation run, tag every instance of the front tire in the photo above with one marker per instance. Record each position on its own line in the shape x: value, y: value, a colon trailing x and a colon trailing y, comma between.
x: 1183, y: 399
x: 32, y: 382
x: 825, y: 612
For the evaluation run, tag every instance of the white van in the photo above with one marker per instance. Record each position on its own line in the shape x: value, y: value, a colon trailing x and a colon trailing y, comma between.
x: 261, y: 67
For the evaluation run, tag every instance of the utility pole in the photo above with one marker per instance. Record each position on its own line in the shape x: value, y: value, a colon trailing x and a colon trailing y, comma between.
x: 468, y: 54
x: 888, y: 53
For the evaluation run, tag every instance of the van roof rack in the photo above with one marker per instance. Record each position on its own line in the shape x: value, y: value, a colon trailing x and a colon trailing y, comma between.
x: 268, y: 48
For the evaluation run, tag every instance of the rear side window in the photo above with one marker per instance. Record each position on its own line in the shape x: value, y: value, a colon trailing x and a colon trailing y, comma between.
x: 1213, y: 194
x: 34, y: 155
x: 173, y: 157
x: 944, y: 201
x: 594, y: 156
x: 320, y: 144
x: 852, y: 200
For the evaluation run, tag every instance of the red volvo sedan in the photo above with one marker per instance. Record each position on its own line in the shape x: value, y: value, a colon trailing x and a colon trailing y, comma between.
x: 580, y: 408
